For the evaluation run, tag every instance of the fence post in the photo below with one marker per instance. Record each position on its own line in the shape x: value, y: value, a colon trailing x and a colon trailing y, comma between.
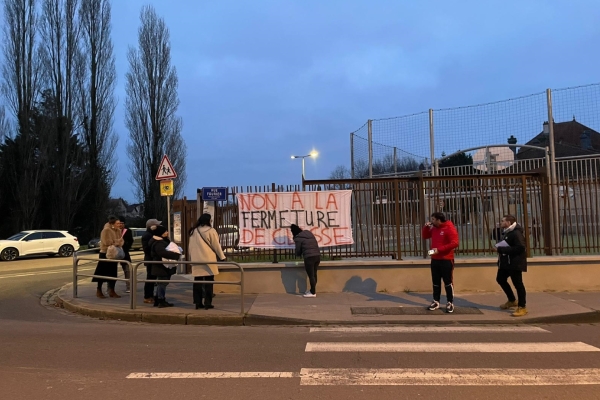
x: 553, y: 178
x: 431, y: 142
x: 398, y: 221
x: 525, y: 215
x: 423, y: 211
x: 352, y: 155
x: 549, y: 239
x: 275, y: 251
x: 370, y: 130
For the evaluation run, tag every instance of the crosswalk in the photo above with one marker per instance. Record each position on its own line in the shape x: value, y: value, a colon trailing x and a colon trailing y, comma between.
x: 353, y: 340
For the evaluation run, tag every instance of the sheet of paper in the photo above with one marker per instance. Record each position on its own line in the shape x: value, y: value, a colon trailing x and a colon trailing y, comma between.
x: 502, y: 244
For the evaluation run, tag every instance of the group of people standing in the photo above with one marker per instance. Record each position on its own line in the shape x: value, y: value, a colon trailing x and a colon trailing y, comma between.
x: 512, y: 261
x: 205, y: 249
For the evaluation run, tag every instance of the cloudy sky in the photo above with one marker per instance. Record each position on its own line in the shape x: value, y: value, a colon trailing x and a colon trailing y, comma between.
x: 261, y: 80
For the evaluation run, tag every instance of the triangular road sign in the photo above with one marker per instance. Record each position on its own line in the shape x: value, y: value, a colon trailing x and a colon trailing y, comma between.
x: 165, y: 170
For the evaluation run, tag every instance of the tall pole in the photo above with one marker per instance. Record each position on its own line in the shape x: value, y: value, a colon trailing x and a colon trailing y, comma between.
x: 431, y: 146
x: 554, y: 180
x: 303, y: 168
x: 370, y: 133
x: 169, y: 216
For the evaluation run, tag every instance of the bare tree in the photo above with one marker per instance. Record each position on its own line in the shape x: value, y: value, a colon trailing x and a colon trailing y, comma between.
x: 61, y: 57
x: 21, y: 72
x: 340, y: 172
x: 96, y: 82
x: 151, y: 104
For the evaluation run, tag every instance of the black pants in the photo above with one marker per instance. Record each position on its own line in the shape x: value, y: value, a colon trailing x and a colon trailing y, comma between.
x: 516, y: 276
x: 311, y: 264
x: 442, y: 270
x: 105, y: 268
x: 204, y: 291
x: 149, y: 286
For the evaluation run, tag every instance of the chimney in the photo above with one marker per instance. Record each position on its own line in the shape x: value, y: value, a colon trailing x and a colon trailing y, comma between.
x: 546, y: 129
x: 585, y: 140
x: 513, y: 140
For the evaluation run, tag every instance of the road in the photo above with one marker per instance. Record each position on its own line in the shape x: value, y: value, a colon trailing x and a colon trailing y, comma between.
x: 48, y: 353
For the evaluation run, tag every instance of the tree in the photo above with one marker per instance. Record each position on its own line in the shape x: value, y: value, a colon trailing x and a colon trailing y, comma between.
x: 96, y: 84
x: 340, y: 172
x: 20, y: 87
x: 457, y: 160
x: 151, y: 104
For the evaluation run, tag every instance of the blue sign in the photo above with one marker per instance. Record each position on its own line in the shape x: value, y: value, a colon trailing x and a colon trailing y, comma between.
x: 214, y: 194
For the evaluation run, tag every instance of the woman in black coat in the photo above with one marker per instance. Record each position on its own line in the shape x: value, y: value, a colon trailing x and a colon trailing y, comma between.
x: 158, y: 249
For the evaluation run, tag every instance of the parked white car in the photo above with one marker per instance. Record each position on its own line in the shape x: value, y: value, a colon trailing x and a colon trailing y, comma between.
x: 38, y: 242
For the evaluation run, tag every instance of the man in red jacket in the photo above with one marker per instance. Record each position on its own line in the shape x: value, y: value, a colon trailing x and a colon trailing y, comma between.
x: 444, y: 239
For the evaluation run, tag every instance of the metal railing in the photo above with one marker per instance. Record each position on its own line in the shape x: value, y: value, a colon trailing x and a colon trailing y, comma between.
x: 133, y: 280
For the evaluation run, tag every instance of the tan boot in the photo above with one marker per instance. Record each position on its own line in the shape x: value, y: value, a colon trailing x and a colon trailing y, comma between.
x: 113, y: 294
x: 99, y: 294
x: 520, y: 312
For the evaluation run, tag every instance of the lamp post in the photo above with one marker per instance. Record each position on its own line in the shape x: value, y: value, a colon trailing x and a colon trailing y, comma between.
x: 312, y: 154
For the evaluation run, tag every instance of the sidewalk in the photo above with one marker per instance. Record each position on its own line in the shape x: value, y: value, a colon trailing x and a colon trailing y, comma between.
x: 331, y: 308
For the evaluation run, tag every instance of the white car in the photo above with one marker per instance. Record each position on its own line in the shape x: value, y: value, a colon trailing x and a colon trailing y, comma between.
x: 38, y: 242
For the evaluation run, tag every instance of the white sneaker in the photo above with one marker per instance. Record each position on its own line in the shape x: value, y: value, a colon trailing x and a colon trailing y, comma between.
x: 309, y: 294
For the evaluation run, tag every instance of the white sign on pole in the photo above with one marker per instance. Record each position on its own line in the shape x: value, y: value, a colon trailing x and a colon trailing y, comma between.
x: 165, y: 170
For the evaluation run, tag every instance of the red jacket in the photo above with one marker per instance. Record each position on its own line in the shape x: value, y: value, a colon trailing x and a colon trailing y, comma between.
x: 444, y: 239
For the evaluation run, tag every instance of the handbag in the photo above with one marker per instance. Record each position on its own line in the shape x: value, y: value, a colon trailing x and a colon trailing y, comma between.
x: 115, y: 252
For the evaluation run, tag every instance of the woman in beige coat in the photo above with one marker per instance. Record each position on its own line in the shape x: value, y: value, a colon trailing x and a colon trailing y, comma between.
x: 111, y: 235
x: 204, y: 246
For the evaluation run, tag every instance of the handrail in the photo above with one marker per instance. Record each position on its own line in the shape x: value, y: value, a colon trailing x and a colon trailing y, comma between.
x: 134, y: 281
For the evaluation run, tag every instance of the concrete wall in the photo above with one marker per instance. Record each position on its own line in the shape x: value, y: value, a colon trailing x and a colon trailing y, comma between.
x: 470, y: 275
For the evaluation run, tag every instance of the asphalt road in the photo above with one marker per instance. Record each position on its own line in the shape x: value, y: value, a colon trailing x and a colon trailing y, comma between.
x: 48, y: 353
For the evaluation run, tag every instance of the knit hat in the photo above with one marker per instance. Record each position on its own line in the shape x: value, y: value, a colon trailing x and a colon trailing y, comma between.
x: 159, y: 230
x: 295, y: 229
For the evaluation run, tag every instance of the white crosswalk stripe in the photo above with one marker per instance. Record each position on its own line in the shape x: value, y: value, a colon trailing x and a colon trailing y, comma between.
x: 427, y: 347
x: 430, y: 329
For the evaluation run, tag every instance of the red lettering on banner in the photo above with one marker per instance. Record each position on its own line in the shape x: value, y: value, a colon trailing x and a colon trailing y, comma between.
x: 337, y: 235
x: 326, y: 237
x: 271, y: 201
x: 331, y: 200
x: 247, y: 236
x: 244, y: 202
x: 296, y: 199
x: 259, y: 236
x: 317, y: 201
x: 254, y: 197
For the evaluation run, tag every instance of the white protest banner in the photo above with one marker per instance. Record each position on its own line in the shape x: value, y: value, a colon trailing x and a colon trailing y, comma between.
x: 265, y: 218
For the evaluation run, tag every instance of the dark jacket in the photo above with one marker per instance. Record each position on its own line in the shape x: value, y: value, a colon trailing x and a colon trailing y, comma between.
x: 127, y: 240
x: 158, y: 251
x: 145, y: 239
x: 306, y: 245
x: 513, y: 256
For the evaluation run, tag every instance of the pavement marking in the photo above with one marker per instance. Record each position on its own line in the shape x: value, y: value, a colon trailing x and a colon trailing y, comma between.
x: 432, y: 329
x: 210, y: 375
x: 424, y: 347
x: 450, y: 377
x: 60, y: 271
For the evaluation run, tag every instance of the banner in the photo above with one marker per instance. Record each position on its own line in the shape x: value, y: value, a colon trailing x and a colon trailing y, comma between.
x: 265, y: 218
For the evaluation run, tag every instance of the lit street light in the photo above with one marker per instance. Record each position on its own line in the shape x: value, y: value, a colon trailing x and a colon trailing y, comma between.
x: 312, y: 154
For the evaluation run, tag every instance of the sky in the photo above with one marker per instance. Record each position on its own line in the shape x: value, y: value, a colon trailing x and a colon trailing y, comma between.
x: 263, y: 80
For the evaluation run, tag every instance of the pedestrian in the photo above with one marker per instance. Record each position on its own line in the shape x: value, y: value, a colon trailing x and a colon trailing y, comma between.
x: 127, y: 243
x: 444, y: 239
x: 512, y: 262
x: 307, y: 247
x: 204, y: 246
x: 158, y: 250
x: 110, y: 236
x: 149, y: 295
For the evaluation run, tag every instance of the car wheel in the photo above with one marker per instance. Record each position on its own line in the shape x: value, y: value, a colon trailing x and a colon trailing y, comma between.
x: 9, y: 254
x: 66, y: 250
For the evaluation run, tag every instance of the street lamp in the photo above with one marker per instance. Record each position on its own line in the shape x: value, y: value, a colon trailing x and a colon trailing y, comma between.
x: 312, y: 154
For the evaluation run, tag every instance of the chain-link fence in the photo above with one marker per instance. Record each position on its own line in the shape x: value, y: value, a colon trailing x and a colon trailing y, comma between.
x: 421, y: 138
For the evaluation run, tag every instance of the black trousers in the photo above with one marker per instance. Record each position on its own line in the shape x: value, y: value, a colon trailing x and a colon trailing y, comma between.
x: 516, y: 276
x: 204, y: 291
x: 149, y: 286
x: 311, y: 264
x: 442, y: 270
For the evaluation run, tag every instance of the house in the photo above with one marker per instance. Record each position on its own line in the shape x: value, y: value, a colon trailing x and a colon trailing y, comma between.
x: 571, y: 139
x: 120, y: 207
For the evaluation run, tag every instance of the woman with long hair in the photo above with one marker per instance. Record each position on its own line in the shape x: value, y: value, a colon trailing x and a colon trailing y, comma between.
x: 204, y: 247
x: 111, y: 235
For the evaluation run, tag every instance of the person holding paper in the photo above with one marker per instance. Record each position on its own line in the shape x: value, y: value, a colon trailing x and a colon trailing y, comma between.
x: 444, y: 239
x: 158, y: 250
x: 512, y: 262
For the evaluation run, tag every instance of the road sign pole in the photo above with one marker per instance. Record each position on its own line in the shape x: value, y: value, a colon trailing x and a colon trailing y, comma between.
x: 169, y: 216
